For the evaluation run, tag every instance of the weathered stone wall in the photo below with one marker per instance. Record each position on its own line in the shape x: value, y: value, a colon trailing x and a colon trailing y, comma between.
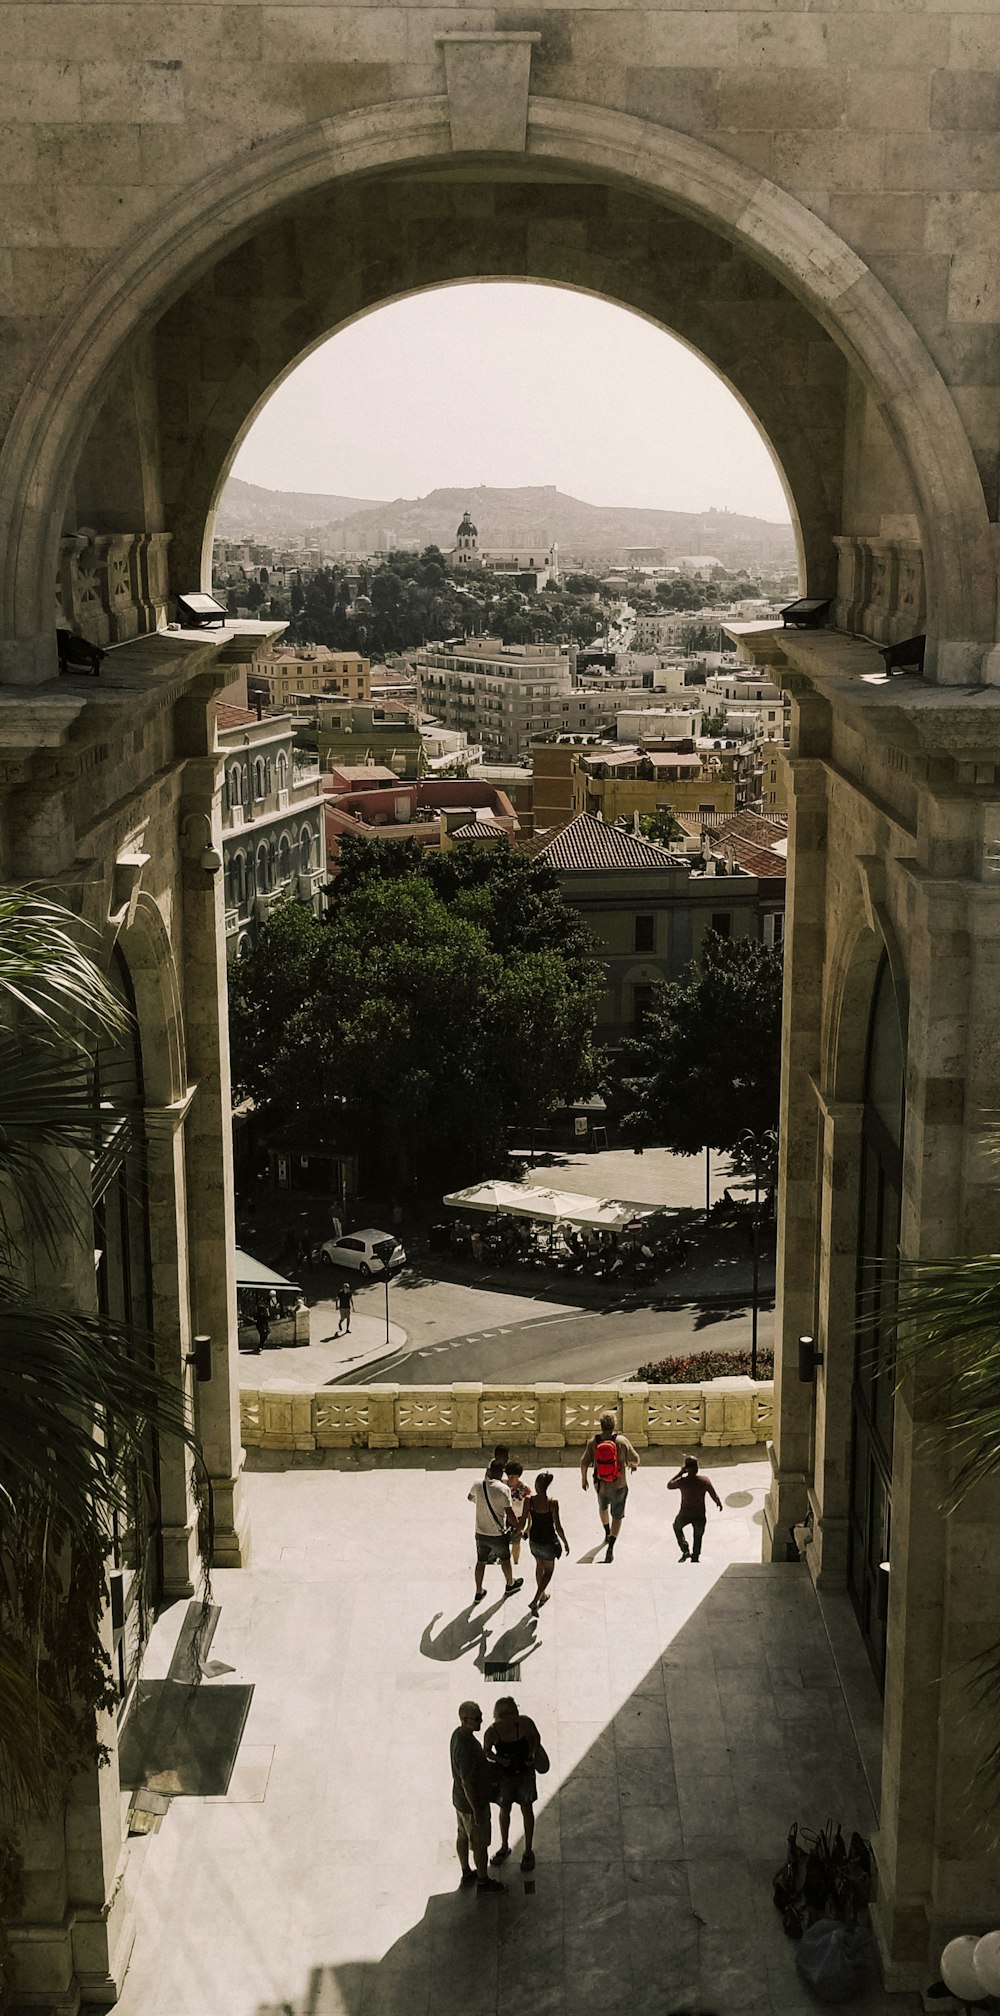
x: 141, y: 145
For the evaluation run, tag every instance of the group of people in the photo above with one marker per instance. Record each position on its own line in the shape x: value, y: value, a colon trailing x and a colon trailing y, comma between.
x: 501, y: 1769
x: 507, y: 1512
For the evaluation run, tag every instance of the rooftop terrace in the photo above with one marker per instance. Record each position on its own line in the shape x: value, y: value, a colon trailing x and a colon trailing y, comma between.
x: 691, y: 1712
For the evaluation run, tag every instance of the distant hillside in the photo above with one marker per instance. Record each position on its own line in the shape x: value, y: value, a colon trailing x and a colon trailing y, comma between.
x: 503, y: 517
x: 248, y: 512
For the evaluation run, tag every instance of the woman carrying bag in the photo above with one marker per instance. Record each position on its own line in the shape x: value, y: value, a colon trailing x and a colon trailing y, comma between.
x: 545, y: 1537
x: 513, y: 1745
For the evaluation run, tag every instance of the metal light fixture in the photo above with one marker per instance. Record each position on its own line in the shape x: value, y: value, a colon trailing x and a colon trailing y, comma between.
x: 201, y: 1358
x: 78, y: 657
x: 807, y: 613
x: 199, y: 611
x: 905, y: 657
x: 809, y: 1358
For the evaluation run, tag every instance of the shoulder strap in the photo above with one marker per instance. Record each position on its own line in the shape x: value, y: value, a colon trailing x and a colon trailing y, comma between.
x: 487, y: 1481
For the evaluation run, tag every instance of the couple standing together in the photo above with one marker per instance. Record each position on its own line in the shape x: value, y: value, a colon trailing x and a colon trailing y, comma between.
x: 506, y: 1512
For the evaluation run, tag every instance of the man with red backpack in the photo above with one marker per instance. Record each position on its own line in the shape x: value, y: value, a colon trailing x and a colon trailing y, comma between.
x: 610, y: 1456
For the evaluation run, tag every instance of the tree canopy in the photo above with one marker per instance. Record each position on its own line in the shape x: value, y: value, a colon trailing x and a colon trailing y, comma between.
x: 445, y: 1000
x: 706, y: 1066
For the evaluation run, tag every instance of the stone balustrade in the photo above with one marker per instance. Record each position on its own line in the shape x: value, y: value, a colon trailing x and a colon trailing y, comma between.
x: 723, y: 1413
x: 880, y: 586
x: 112, y: 586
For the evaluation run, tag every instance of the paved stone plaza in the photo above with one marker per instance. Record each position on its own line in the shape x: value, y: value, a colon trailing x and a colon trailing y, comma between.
x: 690, y: 1713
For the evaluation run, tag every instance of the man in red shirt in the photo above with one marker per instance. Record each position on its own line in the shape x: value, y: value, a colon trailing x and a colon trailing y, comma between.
x: 694, y: 1490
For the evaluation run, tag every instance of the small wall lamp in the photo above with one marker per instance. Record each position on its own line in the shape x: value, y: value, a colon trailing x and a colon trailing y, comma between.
x: 201, y: 1358
x: 809, y: 1358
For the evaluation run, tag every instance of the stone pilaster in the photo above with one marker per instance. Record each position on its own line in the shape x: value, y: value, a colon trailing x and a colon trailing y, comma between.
x: 826, y: 1552
x: 209, y: 1153
x: 170, y: 1262
x: 786, y: 1503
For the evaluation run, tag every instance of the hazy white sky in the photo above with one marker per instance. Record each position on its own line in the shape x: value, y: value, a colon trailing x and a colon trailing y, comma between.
x: 511, y: 384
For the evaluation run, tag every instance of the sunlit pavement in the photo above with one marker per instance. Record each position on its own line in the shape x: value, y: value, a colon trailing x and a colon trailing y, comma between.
x: 691, y: 1712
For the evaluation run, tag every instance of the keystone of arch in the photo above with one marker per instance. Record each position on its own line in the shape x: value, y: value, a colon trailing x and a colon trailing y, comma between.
x: 216, y: 214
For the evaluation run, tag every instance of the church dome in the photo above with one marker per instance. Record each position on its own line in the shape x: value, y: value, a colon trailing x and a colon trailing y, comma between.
x: 467, y: 529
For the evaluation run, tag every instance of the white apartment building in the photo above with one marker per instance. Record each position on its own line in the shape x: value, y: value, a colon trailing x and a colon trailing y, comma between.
x: 500, y: 694
x: 657, y: 724
x: 273, y: 830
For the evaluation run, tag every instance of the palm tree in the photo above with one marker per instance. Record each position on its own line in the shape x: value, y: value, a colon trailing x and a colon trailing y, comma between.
x: 77, y: 1392
x: 946, y: 1321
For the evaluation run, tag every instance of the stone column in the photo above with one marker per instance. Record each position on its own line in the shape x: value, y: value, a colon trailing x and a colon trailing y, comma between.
x: 939, y: 1872
x: 209, y: 1153
x: 826, y: 1551
x: 795, y: 1313
x: 169, y: 1260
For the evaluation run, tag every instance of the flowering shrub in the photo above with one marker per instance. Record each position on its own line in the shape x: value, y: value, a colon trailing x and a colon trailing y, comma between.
x: 702, y: 1365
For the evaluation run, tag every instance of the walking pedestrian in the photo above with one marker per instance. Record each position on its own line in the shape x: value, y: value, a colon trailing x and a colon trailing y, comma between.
x: 345, y: 1304
x: 520, y: 1494
x: 262, y: 1320
x: 694, y: 1490
x: 471, y: 1784
x: 511, y: 1743
x: 545, y: 1538
x: 610, y: 1456
x: 494, y: 1521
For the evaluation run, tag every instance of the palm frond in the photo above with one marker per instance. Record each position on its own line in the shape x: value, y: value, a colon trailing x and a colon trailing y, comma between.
x: 49, y: 970
x: 59, y: 1369
x: 946, y: 1318
x: 53, y: 1127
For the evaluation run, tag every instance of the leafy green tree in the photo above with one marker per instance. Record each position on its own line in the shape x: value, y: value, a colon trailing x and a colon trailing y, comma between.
x: 706, y: 1066
x: 660, y: 826
x: 436, y: 1008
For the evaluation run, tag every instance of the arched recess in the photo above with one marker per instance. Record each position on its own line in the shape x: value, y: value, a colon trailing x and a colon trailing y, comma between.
x: 862, y: 947
x: 217, y: 215
x: 145, y: 946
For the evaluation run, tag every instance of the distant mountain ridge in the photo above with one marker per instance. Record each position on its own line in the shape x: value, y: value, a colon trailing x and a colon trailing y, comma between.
x: 503, y: 517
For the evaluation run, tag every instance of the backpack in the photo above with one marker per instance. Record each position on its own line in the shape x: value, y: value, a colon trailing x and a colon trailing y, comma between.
x: 607, y: 1467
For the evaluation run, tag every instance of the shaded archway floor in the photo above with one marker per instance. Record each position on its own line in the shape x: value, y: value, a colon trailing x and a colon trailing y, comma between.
x: 691, y: 1713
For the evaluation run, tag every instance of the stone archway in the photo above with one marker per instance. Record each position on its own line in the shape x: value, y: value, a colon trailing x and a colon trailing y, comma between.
x: 131, y: 292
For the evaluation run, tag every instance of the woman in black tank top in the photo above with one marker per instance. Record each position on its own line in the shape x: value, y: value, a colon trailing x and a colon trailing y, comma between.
x: 545, y: 1538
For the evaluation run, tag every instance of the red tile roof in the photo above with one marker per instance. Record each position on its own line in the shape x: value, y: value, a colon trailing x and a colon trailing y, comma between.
x: 589, y: 843
x: 233, y: 717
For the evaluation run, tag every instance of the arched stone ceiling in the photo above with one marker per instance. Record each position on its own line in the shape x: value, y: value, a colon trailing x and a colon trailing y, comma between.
x: 223, y: 347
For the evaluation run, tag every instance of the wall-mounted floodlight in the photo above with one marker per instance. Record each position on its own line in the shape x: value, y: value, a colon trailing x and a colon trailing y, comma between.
x: 808, y: 613
x: 809, y: 1358
x: 905, y: 657
x: 198, y: 611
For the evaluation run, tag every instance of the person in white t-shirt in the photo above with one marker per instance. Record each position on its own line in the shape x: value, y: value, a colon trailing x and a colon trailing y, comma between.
x: 495, y: 1522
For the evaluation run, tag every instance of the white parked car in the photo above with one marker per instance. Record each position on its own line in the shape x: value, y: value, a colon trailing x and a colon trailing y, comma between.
x: 365, y: 1253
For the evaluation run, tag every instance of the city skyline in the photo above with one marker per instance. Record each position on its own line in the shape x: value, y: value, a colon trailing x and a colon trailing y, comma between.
x: 372, y: 412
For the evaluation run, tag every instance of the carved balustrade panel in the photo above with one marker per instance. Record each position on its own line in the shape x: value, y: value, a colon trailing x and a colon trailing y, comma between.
x: 341, y: 1422
x: 881, y: 588
x: 505, y: 1416
x: 250, y: 1420
x: 425, y: 1421
x: 112, y: 586
x: 675, y: 1415
x: 582, y: 1413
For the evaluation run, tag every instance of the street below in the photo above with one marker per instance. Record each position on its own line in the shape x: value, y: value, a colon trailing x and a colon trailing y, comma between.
x: 578, y: 1346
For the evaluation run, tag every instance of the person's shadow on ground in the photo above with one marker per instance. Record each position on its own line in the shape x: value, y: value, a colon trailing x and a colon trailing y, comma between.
x: 512, y: 1647
x: 458, y: 1637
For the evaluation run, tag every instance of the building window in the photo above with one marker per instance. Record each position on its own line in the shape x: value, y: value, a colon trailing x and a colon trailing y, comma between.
x: 305, y: 850
x: 722, y: 922
x: 645, y: 934
x: 774, y: 928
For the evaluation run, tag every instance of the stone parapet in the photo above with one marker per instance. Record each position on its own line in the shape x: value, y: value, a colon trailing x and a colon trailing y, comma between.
x: 724, y: 1413
x: 881, y: 592
x: 112, y: 586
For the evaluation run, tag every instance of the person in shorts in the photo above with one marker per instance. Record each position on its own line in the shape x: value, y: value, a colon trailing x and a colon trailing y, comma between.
x: 470, y: 1795
x: 495, y: 1523
x: 546, y: 1538
x: 510, y: 1743
x: 609, y: 1457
